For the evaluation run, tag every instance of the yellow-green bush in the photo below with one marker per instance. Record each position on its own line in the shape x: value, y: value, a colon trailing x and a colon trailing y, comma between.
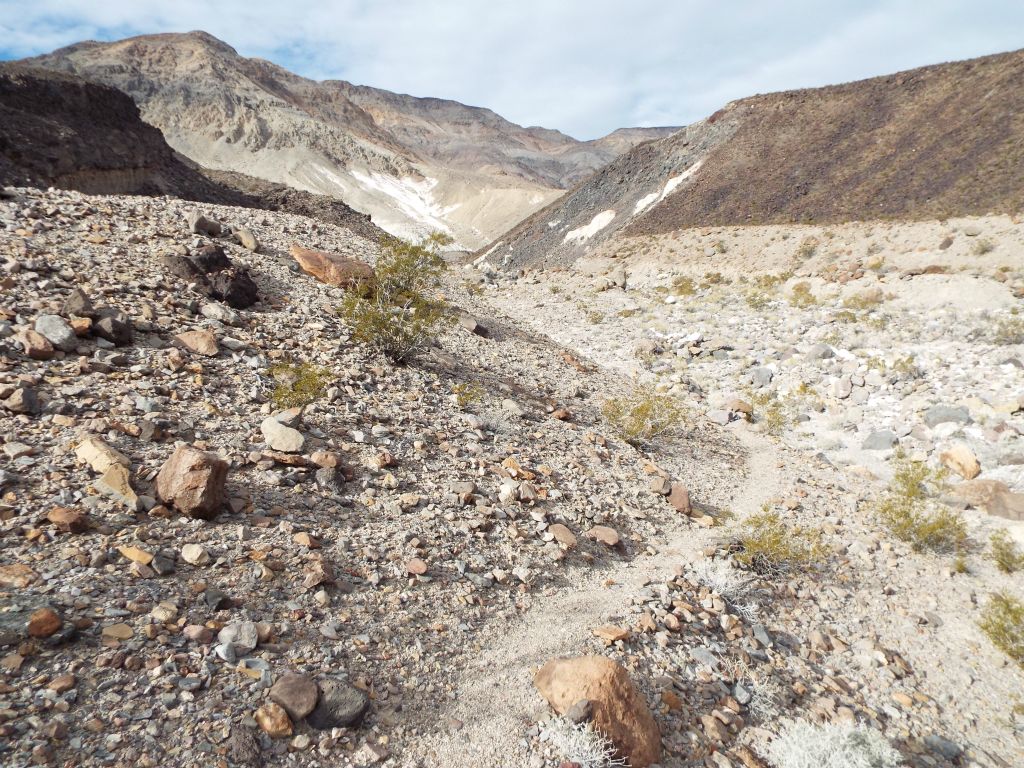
x: 1003, y: 621
x: 771, y: 547
x: 644, y: 415
x: 399, y: 314
x: 907, y: 510
x: 297, y: 385
x: 1005, y: 552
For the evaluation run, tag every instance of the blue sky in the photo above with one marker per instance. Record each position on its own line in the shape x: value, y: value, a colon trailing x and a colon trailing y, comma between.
x: 583, y: 66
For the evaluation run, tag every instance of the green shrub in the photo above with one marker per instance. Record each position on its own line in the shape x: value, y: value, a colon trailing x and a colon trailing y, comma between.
x: 1005, y: 552
x: 1003, y: 621
x: 297, y: 385
x: 643, y: 415
x: 907, y: 510
x: 772, y: 548
x: 397, y: 315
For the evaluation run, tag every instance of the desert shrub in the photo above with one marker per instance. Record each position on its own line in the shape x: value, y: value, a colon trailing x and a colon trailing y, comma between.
x: 909, y: 513
x: 832, y: 745
x: 643, y: 415
x: 1004, y: 552
x: 581, y: 744
x: 865, y: 300
x: 981, y: 247
x: 1003, y: 621
x: 807, y: 248
x: 683, y: 286
x: 769, y: 412
x: 801, y: 296
x: 1008, y: 330
x: 771, y: 547
x: 466, y: 394
x: 397, y: 314
x: 297, y: 385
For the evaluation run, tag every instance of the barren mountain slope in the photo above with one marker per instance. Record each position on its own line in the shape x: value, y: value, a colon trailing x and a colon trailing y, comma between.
x: 414, y: 164
x: 931, y: 142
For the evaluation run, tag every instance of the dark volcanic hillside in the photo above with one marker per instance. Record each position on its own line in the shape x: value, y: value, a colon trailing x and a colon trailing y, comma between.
x: 59, y: 130
x: 927, y: 143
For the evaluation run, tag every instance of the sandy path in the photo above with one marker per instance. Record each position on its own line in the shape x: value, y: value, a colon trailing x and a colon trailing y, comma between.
x: 496, y: 700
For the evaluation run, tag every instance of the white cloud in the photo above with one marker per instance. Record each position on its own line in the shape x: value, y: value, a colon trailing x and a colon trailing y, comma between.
x: 583, y: 66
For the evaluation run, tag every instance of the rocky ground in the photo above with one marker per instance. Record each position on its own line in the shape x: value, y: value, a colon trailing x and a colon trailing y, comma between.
x: 392, y: 563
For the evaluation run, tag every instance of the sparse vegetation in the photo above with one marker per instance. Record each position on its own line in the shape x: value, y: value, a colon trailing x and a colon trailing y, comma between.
x: 832, y: 745
x: 912, y: 516
x: 982, y: 246
x: 1004, y: 552
x: 397, y: 315
x: 865, y: 300
x: 297, y: 385
x: 683, y: 286
x: 771, y: 548
x: 807, y: 248
x: 1003, y: 621
x: 801, y: 296
x: 1008, y: 330
x: 644, y: 415
x: 467, y: 394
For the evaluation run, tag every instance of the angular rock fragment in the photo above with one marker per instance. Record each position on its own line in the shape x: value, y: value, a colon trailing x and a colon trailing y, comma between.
x: 332, y: 268
x: 193, y: 481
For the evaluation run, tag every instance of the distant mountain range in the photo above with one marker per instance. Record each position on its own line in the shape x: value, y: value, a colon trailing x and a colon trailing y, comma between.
x: 414, y: 164
x: 932, y: 142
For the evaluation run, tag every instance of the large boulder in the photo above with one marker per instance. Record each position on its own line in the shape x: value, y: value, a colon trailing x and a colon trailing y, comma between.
x: 332, y: 268
x: 193, y: 481
x: 619, y: 711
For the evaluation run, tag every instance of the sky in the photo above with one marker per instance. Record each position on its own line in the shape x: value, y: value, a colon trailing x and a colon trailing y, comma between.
x: 585, y: 67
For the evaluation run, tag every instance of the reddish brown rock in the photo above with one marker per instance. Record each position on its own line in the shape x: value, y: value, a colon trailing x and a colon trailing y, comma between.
x: 619, y: 711
x: 679, y: 498
x: 274, y: 721
x: 193, y: 481
x: 332, y: 268
x: 44, y: 622
x: 68, y: 520
x: 297, y: 694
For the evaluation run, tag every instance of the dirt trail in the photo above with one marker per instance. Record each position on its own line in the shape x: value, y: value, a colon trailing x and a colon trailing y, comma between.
x: 496, y: 701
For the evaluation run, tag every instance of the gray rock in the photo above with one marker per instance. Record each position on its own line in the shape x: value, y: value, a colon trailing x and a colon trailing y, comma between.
x: 78, y: 304
x: 114, y: 330
x: 819, y: 352
x: 201, y: 225
x: 240, y: 636
x: 56, y: 330
x: 341, y: 705
x: 942, y: 746
x: 23, y: 400
x: 246, y: 239
x: 719, y: 417
x: 514, y: 408
x: 881, y: 440
x: 280, y: 437
x: 941, y: 414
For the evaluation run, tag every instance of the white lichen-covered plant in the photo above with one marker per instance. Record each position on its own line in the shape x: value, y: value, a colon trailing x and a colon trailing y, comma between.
x: 581, y: 743
x: 806, y: 745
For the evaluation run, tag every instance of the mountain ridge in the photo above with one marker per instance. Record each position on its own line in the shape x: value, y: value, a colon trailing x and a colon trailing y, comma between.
x: 941, y: 140
x: 413, y: 163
